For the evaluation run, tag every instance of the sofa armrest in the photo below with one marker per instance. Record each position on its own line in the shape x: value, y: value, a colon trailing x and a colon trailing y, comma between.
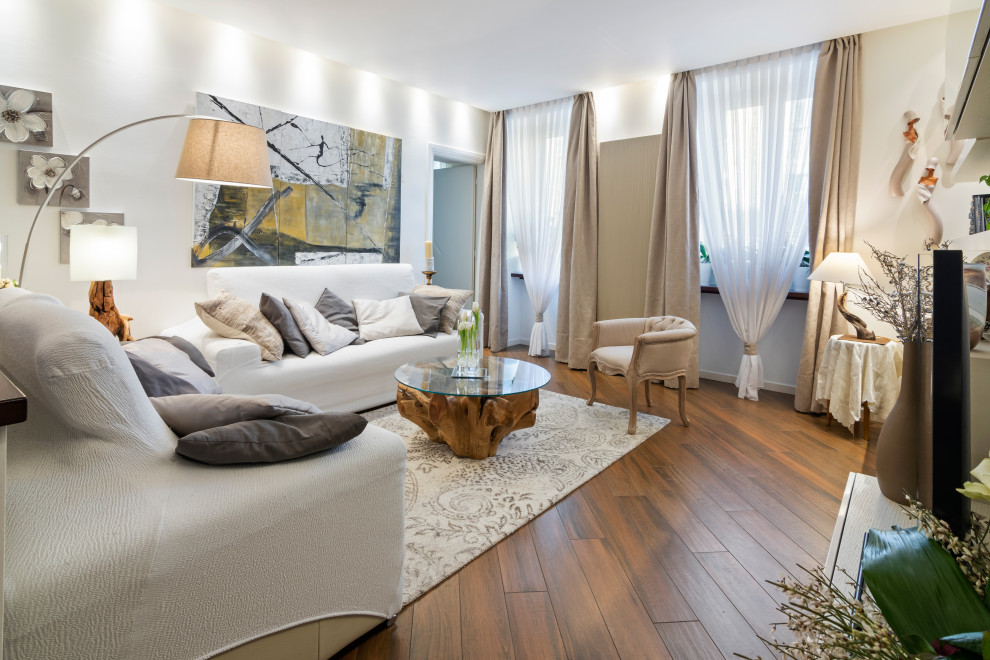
x: 665, y: 336
x: 617, y: 332
x: 223, y: 354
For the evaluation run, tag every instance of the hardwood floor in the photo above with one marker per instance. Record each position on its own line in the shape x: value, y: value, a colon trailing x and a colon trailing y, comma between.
x: 663, y: 555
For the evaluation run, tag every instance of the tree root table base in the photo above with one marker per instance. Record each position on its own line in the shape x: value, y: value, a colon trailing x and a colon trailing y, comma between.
x: 472, y: 426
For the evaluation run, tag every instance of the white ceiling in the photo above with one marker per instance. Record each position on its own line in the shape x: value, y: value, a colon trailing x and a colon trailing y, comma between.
x: 497, y: 55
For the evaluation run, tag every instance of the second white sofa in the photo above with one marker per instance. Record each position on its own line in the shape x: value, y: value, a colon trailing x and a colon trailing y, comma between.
x: 351, y: 379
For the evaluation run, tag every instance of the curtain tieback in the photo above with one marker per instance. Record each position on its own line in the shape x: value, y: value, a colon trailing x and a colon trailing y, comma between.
x: 751, y: 349
x: 539, y: 317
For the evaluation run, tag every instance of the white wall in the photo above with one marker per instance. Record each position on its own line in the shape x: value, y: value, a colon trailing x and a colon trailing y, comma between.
x: 110, y: 62
x: 903, y: 68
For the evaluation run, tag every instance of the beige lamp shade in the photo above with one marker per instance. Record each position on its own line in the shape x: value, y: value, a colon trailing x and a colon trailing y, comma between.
x: 224, y: 152
x: 102, y: 252
x: 839, y: 267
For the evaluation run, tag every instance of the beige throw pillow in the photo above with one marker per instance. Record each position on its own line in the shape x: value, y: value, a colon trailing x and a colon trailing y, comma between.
x: 457, y: 299
x: 380, y: 319
x: 229, y: 316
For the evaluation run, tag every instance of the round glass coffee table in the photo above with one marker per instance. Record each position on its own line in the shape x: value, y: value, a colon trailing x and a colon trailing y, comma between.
x: 470, y: 415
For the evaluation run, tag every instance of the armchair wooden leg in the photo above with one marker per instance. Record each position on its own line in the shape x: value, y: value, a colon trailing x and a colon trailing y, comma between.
x: 633, y: 387
x: 591, y: 376
x: 682, y: 400
x: 649, y: 403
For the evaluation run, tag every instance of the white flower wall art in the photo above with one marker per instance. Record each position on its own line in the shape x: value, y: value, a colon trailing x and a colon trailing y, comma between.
x: 67, y: 219
x: 36, y: 175
x: 25, y: 116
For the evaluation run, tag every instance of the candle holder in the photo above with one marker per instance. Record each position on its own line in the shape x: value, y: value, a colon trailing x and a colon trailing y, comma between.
x: 429, y: 275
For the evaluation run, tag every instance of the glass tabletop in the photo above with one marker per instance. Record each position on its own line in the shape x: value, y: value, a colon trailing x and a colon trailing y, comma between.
x: 500, y: 376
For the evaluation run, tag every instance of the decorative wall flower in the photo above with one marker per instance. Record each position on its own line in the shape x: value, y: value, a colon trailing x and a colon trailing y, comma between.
x: 16, y: 123
x: 44, y: 171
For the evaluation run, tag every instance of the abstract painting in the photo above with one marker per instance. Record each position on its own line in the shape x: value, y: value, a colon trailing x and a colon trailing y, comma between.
x: 335, y: 196
x: 36, y: 174
x: 67, y: 219
x: 25, y: 116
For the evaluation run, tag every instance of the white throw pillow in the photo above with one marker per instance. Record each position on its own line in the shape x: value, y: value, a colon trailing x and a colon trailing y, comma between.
x: 378, y: 319
x: 323, y: 336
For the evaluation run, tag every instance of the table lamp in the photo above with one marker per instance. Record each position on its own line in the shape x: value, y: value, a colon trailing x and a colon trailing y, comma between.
x: 100, y: 253
x: 844, y: 268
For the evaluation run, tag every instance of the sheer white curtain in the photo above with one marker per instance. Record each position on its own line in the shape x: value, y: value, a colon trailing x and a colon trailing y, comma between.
x: 535, y: 161
x: 754, y: 121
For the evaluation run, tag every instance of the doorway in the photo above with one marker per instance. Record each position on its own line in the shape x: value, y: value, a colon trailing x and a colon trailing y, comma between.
x: 456, y: 197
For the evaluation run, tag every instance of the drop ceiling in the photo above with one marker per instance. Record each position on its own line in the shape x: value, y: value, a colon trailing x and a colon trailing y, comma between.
x: 497, y: 55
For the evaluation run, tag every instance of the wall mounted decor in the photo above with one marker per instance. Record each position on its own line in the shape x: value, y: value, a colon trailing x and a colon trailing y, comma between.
x: 25, y: 116
x: 36, y: 171
x: 335, y: 198
x: 68, y: 219
x: 908, y: 154
x: 924, y: 190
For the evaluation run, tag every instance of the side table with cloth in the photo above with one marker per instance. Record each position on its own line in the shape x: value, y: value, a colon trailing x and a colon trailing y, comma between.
x: 859, y: 377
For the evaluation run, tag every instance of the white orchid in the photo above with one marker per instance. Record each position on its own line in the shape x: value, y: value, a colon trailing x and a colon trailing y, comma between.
x: 16, y: 123
x: 44, y: 171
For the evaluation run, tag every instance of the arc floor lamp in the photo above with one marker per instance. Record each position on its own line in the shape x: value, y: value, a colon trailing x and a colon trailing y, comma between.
x: 214, y: 151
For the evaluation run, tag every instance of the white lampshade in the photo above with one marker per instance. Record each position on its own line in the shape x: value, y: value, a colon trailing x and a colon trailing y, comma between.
x: 224, y: 152
x: 839, y: 267
x: 102, y: 252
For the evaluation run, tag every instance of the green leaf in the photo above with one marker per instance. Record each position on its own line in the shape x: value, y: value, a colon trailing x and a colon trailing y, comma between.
x: 920, y: 588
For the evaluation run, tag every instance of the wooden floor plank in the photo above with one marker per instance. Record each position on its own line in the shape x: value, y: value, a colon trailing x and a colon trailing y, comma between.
x: 534, y: 627
x: 485, y: 632
x: 687, y: 640
x: 580, y: 621
x: 747, y: 550
x: 436, y: 629
x: 632, y: 630
x: 579, y: 521
x: 727, y: 628
x: 756, y: 606
x: 655, y: 588
x: 392, y: 643
x: 790, y: 555
x: 518, y: 562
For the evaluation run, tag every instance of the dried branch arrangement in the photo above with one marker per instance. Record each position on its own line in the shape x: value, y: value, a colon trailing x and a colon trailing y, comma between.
x: 908, y: 305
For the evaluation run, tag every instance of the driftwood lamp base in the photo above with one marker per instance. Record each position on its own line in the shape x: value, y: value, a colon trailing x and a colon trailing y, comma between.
x: 472, y: 426
x: 103, y: 309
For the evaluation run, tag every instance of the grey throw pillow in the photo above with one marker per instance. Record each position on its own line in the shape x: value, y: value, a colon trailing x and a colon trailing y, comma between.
x: 271, y: 440
x: 189, y: 413
x: 429, y: 310
x: 323, y: 336
x: 339, y: 312
x: 279, y: 315
x: 165, y: 370
x: 457, y: 299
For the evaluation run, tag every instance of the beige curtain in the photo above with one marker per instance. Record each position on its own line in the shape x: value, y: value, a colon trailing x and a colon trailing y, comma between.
x: 493, y: 278
x: 672, y: 285
x: 836, y: 125
x: 577, y: 297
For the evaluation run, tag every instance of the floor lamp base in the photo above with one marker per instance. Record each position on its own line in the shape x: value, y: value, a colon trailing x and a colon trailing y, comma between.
x: 103, y: 309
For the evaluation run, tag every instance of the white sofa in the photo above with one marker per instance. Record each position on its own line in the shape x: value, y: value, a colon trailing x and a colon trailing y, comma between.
x: 351, y: 379
x: 118, y: 548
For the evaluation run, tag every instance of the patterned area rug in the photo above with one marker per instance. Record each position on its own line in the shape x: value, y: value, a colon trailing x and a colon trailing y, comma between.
x: 456, y: 508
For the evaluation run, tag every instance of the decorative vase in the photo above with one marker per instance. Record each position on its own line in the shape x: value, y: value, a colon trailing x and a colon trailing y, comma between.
x: 904, y: 446
x: 470, y: 330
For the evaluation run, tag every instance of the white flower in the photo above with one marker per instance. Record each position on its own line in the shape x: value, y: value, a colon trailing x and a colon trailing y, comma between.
x: 475, y: 307
x: 70, y: 218
x: 7, y: 283
x: 44, y: 171
x: 465, y: 315
x: 15, y: 121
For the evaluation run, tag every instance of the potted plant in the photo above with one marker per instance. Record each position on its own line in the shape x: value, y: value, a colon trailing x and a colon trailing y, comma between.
x: 707, y: 277
x: 800, y: 281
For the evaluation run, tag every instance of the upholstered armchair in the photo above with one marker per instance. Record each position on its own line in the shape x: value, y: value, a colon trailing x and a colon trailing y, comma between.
x: 642, y: 350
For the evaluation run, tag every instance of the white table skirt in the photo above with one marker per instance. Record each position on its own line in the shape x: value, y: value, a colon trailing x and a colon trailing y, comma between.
x: 854, y: 372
